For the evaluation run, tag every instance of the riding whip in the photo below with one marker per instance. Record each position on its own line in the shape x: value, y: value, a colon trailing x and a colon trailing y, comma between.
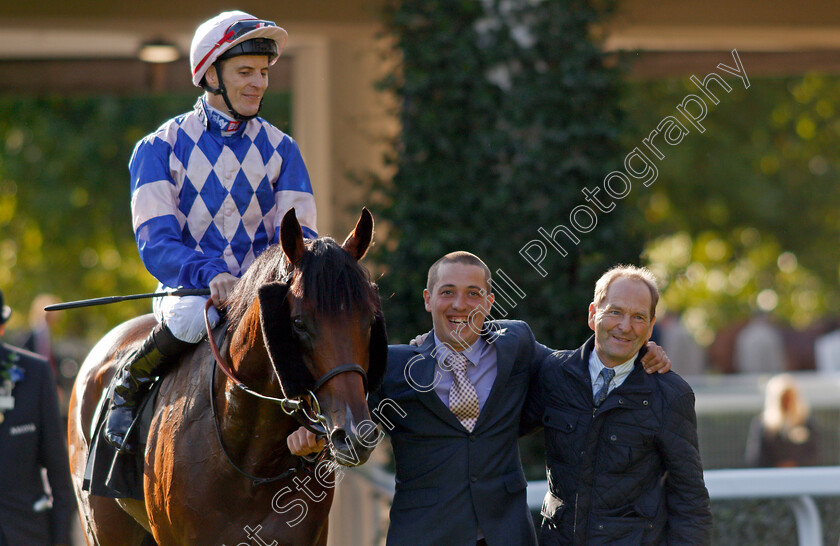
x: 116, y: 299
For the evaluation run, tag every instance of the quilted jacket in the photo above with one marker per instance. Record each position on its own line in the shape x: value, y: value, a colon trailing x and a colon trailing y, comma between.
x: 626, y: 473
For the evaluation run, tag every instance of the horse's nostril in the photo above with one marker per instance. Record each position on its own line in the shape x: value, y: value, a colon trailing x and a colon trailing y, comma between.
x: 347, y: 449
x: 339, y: 437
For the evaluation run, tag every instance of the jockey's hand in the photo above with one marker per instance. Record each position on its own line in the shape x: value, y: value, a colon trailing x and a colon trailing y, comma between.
x: 303, y: 442
x: 655, y: 360
x: 417, y: 341
x: 220, y: 288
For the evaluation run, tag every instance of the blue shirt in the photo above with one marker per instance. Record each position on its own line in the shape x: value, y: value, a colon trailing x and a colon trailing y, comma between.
x: 207, y: 195
x: 481, y: 369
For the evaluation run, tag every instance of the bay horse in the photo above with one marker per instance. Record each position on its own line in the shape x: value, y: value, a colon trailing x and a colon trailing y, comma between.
x: 216, y: 469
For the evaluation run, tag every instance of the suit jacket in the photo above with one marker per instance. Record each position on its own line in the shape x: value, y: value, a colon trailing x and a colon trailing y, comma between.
x: 450, y: 482
x: 32, y: 437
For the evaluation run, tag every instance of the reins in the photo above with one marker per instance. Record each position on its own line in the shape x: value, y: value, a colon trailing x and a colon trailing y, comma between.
x: 254, y: 479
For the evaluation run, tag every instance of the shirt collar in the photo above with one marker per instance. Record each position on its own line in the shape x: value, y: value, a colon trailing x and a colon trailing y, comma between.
x: 621, y: 371
x: 217, y: 121
x: 473, y: 354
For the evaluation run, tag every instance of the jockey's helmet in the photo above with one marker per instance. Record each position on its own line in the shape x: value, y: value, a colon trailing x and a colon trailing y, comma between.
x: 230, y: 34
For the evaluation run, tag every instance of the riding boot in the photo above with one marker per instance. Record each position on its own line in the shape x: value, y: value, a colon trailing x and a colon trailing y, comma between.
x: 134, y: 380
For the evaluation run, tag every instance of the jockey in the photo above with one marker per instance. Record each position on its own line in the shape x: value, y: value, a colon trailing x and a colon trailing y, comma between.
x: 208, y: 191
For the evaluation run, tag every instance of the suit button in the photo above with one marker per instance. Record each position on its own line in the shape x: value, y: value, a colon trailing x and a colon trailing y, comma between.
x: 472, y: 438
x: 473, y: 478
x: 582, y: 453
x: 621, y: 400
x: 613, y: 438
x: 601, y: 527
x: 644, y: 402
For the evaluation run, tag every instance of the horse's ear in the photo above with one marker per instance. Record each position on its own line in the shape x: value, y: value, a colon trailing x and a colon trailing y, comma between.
x: 291, y: 237
x: 358, y: 241
x: 378, y: 353
x: 280, y: 342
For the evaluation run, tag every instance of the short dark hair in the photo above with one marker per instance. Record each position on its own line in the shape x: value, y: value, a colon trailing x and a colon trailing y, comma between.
x: 458, y: 257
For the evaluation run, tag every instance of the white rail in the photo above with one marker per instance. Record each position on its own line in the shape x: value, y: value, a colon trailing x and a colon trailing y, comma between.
x: 797, y: 485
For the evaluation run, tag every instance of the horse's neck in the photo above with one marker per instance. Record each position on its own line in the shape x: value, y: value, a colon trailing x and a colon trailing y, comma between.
x: 252, y: 428
x: 247, y: 354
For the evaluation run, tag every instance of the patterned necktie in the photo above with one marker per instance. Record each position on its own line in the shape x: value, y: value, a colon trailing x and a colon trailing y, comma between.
x: 607, y: 375
x: 463, y: 400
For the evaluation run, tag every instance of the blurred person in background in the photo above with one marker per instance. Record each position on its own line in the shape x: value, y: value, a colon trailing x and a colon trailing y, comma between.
x: 208, y: 191
x: 40, y: 339
x: 31, y: 441
x: 676, y: 340
x: 784, y: 434
x: 759, y: 347
x: 827, y: 349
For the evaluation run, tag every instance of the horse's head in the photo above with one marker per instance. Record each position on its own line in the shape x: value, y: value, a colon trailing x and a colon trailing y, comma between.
x: 323, y: 330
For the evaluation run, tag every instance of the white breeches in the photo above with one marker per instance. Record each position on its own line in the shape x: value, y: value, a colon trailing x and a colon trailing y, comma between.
x: 185, y: 316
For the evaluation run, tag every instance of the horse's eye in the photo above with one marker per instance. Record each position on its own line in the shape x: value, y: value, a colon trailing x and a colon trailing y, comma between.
x: 299, y: 324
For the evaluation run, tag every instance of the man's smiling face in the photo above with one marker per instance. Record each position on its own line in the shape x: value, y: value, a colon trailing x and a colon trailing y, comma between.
x: 457, y: 304
x: 245, y: 78
x: 622, y: 322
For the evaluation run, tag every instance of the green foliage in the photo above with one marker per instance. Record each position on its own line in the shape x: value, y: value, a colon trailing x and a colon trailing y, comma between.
x: 749, y: 207
x: 64, y: 201
x: 508, y: 111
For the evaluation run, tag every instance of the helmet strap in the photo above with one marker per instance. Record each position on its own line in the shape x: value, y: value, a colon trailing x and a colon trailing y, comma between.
x: 221, y: 90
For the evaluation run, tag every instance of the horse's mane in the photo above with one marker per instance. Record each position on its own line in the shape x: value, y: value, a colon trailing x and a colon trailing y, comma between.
x: 333, y: 281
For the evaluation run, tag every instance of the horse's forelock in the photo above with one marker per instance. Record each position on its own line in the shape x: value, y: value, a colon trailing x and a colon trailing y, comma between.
x: 333, y: 281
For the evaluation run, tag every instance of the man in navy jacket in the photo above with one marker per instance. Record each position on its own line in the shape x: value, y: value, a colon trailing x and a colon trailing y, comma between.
x: 622, y: 456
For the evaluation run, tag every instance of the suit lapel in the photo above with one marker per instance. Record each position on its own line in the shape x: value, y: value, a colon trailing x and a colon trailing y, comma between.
x: 426, y: 376
x: 505, y: 345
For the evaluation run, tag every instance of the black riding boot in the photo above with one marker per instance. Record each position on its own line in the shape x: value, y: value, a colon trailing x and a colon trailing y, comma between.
x: 134, y: 380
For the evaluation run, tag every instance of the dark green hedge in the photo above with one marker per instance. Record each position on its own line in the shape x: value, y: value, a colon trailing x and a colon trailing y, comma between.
x: 508, y: 111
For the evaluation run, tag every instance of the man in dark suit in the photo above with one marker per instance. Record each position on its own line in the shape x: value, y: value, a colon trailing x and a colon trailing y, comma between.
x: 459, y: 476
x: 31, y: 439
x: 459, y: 480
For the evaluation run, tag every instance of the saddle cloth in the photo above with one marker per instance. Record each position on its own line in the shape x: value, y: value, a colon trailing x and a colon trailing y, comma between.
x: 112, y: 474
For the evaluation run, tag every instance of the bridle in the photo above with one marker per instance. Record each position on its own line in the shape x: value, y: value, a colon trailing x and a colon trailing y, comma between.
x: 309, y: 417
